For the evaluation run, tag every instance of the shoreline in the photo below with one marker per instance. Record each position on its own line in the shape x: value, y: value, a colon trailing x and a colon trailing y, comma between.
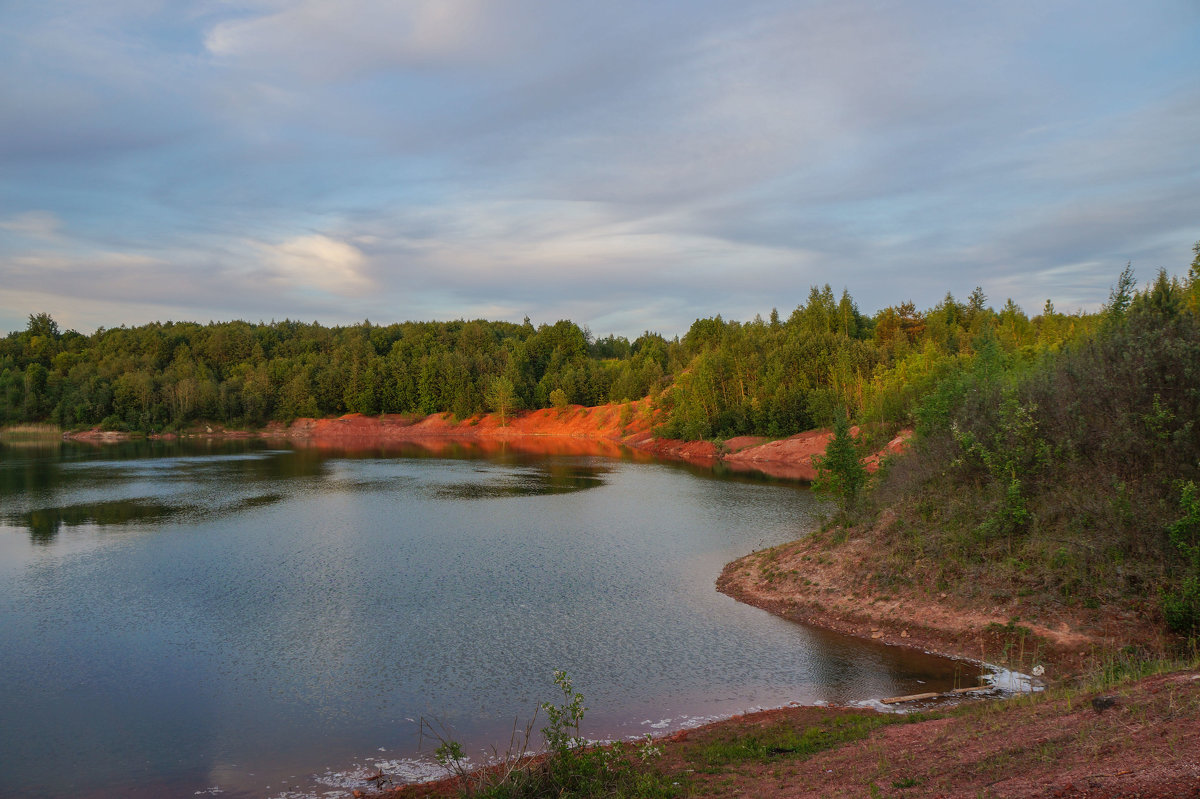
x: 822, y: 581
x: 607, y: 427
x: 828, y: 585
x: 803, y: 581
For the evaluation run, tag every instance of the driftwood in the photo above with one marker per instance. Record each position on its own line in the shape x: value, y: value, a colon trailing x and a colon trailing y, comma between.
x: 910, y: 698
x: 915, y: 697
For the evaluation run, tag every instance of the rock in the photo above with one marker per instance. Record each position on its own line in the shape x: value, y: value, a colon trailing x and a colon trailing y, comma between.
x: 904, y: 633
x: 1103, y: 703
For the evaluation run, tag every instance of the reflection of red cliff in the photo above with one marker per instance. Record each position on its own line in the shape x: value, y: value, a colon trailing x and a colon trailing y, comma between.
x: 576, y: 430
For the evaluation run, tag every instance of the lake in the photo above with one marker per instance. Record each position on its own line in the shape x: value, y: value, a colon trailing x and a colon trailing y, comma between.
x: 191, y: 617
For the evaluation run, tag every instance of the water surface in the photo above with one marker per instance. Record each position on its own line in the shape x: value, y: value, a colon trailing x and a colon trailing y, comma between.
x: 176, y: 618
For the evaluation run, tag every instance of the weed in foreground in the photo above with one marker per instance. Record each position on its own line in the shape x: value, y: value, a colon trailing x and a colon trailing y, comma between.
x: 570, y: 766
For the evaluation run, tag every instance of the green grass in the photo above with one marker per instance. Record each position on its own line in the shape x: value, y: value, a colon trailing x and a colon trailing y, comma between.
x: 784, y: 741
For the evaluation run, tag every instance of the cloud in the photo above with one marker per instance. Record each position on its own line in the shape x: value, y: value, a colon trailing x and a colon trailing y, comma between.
x: 604, y: 160
x: 316, y: 262
x: 35, y: 224
x: 326, y: 41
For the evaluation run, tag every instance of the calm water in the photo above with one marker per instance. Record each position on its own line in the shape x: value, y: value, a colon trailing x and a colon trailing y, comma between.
x: 178, y: 618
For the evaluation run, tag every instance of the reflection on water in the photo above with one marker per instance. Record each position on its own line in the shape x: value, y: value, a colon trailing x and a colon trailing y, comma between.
x: 45, y: 523
x: 528, y: 481
x: 228, y: 614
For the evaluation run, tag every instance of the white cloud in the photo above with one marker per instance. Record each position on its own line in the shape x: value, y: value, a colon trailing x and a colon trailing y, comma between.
x: 317, y: 262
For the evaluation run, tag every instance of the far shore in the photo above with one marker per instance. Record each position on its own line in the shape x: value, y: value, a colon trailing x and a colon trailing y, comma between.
x: 608, y: 428
x: 804, y: 581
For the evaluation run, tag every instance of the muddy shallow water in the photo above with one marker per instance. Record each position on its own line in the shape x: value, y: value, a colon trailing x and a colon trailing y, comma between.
x: 177, y: 618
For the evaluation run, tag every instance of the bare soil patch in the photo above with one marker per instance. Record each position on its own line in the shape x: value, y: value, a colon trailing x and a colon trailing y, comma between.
x: 831, y: 584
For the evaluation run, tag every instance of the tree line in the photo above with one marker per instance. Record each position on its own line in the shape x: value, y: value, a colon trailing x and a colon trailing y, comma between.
x: 771, y: 377
x: 164, y: 376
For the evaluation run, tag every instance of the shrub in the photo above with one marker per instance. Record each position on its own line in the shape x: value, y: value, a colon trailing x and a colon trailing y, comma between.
x: 1181, y: 606
x: 839, y: 471
x: 571, y: 766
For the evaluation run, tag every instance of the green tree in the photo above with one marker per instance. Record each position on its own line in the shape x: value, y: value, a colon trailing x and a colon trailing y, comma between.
x: 840, y: 473
x: 1121, y: 296
x: 501, y: 397
x: 1181, y: 606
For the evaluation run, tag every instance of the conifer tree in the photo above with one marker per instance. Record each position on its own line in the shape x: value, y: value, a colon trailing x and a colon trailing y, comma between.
x: 840, y: 472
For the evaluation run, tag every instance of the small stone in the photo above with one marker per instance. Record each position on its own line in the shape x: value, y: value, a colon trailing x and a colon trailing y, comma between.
x: 876, y: 633
x: 1103, y: 703
x: 904, y: 633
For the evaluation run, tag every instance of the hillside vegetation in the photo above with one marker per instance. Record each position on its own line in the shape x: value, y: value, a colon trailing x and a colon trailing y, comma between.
x: 722, y: 379
x: 1068, y: 481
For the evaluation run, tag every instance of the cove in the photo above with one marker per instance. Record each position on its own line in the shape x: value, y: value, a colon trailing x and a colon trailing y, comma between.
x: 188, y: 616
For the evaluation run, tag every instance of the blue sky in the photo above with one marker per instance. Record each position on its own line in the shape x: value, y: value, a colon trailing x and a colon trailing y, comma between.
x: 626, y: 165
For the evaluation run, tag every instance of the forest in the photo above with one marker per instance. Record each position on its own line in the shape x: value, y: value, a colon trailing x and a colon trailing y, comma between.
x: 723, y: 378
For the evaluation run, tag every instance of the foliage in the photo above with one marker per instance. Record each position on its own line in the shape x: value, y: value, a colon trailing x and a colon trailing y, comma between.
x: 1012, y: 452
x: 1181, y: 605
x: 1052, y: 476
x: 501, y: 397
x: 571, y: 766
x: 175, y: 374
x: 840, y: 471
x: 723, y: 378
x: 1121, y: 296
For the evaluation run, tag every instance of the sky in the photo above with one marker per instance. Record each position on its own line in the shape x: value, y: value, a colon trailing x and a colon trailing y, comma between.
x: 630, y: 166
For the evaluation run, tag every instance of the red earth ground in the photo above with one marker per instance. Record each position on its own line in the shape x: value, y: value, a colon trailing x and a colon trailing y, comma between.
x: 604, y: 430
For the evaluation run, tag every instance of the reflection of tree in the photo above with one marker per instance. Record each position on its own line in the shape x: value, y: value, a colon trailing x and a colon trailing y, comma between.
x: 45, y: 476
x: 532, y: 482
x: 45, y: 523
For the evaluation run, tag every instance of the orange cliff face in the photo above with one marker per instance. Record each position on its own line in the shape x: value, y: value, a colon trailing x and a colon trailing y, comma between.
x: 612, y: 430
x: 605, y: 422
x: 793, y: 457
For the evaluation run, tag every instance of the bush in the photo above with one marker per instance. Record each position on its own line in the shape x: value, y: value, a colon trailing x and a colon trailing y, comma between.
x: 1181, y: 606
x: 115, y: 423
x: 572, y: 766
x: 839, y: 471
